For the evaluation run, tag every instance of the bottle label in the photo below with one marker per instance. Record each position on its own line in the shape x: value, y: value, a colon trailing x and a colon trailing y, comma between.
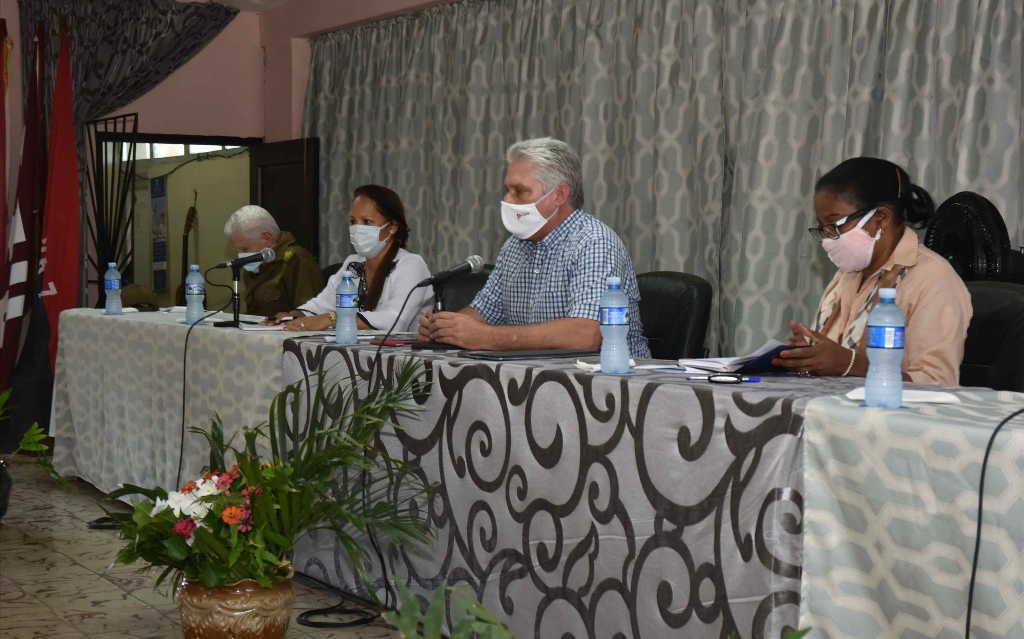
x: 885, y: 337
x: 194, y: 289
x: 346, y: 300
x: 614, y: 315
x: 112, y: 285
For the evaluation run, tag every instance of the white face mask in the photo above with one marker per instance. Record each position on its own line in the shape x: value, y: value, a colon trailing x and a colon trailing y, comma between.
x: 523, y: 220
x: 366, y: 239
x: 852, y: 251
x: 252, y: 267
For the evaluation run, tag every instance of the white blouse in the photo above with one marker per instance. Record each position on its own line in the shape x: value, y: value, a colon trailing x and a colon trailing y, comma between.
x: 410, y: 269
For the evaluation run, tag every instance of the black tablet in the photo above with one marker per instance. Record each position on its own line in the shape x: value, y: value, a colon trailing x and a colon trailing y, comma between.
x: 552, y: 353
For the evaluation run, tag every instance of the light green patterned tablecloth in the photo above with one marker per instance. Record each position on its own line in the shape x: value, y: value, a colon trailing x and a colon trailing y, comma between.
x: 891, y: 499
x: 117, y: 393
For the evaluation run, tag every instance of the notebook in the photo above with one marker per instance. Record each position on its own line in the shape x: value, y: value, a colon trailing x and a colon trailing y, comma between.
x: 522, y: 355
x: 757, y: 362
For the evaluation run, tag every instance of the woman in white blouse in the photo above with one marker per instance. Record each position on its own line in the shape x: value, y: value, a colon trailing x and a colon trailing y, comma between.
x: 385, y: 272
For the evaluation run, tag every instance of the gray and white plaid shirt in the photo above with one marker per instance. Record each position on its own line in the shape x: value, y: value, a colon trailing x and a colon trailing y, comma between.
x: 561, y: 276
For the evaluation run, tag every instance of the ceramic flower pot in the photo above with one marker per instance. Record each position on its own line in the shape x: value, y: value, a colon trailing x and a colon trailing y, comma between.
x: 243, y: 610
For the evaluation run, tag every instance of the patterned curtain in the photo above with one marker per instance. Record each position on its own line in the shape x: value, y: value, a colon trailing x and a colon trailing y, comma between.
x: 119, y: 49
x: 702, y: 124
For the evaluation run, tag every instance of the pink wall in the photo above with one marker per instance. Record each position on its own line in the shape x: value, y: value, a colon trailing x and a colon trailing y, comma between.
x: 285, y: 36
x: 217, y: 92
x: 250, y: 81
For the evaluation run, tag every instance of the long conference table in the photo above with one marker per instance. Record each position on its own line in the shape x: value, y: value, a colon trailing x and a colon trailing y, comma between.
x: 583, y: 505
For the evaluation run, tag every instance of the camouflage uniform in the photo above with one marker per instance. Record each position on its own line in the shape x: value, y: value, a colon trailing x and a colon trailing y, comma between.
x: 283, y: 283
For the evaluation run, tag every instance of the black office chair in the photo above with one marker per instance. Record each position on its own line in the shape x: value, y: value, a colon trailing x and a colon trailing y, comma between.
x: 994, y: 351
x: 674, y: 308
x: 460, y: 290
x: 330, y: 270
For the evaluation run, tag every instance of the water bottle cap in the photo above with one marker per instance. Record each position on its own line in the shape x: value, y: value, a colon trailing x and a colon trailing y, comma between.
x: 111, y: 264
x: 347, y: 274
x: 887, y: 294
x: 614, y: 281
x: 194, y: 267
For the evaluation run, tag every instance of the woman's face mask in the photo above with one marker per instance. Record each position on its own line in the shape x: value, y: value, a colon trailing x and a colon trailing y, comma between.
x: 366, y: 239
x: 523, y: 220
x: 852, y: 250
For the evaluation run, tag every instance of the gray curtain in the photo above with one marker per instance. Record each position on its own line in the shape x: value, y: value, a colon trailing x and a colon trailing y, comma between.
x: 702, y: 124
x: 120, y: 49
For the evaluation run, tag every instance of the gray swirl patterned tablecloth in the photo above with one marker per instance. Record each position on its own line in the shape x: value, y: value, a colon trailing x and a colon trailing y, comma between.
x: 891, y: 500
x: 117, y: 398
x: 582, y: 505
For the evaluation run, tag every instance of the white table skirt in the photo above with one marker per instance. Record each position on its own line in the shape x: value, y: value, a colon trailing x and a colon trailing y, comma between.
x: 117, y: 398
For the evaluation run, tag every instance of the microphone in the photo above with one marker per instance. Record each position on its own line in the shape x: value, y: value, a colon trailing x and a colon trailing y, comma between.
x: 473, y: 264
x: 265, y: 255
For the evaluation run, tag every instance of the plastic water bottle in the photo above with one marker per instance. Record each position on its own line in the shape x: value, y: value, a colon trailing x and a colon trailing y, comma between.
x: 195, y: 291
x: 614, y: 328
x: 347, y: 308
x: 112, y: 288
x: 883, y: 386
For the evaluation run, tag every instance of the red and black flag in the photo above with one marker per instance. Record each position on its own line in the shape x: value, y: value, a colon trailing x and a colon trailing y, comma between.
x: 60, y: 265
x: 24, y: 227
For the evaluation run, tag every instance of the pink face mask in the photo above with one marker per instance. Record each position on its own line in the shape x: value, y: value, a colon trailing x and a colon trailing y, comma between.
x: 852, y: 250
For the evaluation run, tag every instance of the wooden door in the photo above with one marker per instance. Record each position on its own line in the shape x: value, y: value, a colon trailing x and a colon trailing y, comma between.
x: 285, y: 180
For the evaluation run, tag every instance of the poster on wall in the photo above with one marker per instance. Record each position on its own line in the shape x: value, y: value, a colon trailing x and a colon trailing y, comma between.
x: 158, y: 196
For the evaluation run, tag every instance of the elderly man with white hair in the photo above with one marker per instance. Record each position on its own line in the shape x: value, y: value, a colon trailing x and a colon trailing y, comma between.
x: 547, y: 282
x: 278, y: 285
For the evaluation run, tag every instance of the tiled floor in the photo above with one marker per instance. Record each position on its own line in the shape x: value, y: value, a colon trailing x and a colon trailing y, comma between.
x: 57, y: 580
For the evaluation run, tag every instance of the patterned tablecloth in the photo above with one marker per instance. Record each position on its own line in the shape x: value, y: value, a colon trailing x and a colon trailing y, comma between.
x: 891, y: 500
x: 586, y: 505
x: 117, y: 397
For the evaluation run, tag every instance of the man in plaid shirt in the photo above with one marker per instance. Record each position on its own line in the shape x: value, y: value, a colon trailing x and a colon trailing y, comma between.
x: 548, y: 279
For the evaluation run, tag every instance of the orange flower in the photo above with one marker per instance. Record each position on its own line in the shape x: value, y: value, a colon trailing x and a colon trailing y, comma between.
x: 232, y: 515
x: 189, y: 487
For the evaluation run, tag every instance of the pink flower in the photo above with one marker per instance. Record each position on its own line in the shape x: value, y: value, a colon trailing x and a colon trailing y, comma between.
x: 224, y: 481
x: 246, y: 524
x: 185, y: 527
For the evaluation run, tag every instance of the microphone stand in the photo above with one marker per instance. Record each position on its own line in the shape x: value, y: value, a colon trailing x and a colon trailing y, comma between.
x: 235, y: 300
x: 438, y: 307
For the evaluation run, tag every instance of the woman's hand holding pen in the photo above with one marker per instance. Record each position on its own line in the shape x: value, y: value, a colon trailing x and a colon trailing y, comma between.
x: 279, y: 318
x: 820, y: 355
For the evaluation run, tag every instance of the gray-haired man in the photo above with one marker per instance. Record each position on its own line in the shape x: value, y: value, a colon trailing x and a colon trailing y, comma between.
x: 548, y: 279
x: 291, y: 278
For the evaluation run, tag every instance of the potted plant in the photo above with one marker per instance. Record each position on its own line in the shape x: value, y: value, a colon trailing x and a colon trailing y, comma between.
x: 32, y: 441
x: 225, y: 537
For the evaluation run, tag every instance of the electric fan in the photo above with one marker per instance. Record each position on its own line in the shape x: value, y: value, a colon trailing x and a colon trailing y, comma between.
x: 968, y: 231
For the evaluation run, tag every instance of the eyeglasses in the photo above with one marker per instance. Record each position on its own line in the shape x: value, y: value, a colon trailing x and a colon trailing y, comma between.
x: 723, y: 378
x: 831, y: 231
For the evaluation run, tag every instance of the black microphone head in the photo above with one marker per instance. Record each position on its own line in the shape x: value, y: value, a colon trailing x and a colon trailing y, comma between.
x: 476, y: 263
x: 268, y: 254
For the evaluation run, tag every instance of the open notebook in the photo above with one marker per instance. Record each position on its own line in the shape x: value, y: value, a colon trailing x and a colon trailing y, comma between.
x: 756, y: 362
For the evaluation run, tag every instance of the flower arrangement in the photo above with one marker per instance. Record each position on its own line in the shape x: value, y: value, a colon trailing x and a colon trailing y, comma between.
x: 241, y: 521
